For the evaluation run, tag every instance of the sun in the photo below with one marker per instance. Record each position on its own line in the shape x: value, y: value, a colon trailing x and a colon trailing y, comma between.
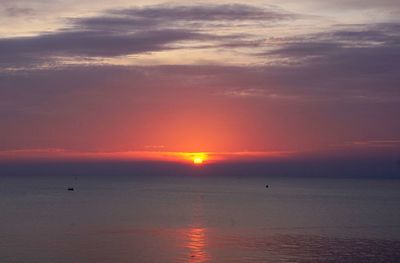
x: 198, y: 160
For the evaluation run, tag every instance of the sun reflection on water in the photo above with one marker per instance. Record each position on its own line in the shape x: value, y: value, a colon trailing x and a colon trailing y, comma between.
x: 197, y: 245
x: 196, y: 241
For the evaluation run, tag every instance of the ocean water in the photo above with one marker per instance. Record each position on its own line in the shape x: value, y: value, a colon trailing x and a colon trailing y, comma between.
x: 198, y: 219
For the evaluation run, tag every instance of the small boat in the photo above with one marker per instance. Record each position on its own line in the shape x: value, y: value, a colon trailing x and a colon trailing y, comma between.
x: 71, y: 189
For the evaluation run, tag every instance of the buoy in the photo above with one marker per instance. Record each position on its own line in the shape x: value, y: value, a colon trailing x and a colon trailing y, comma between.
x: 266, y: 186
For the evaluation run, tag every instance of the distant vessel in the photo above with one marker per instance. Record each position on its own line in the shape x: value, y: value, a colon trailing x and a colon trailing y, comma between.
x: 71, y: 189
x: 266, y: 186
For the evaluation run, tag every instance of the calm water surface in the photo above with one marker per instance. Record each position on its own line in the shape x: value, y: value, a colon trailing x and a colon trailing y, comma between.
x: 198, y: 219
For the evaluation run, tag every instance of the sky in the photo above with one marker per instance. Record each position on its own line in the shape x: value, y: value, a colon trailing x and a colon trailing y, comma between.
x: 239, y: 80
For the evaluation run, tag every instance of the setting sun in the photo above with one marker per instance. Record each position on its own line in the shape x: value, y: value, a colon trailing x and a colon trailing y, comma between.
x: 198, y: 160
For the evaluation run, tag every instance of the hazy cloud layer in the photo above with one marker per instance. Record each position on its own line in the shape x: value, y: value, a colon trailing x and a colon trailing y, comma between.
x: 279, y: 108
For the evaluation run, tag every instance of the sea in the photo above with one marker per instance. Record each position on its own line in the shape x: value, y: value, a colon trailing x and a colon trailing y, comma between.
x: 198, y: 218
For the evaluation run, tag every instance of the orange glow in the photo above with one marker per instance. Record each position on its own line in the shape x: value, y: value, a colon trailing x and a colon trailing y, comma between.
x: 197, y: 158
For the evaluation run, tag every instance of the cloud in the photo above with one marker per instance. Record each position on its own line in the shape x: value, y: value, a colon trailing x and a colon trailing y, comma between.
x: 128, y: 31
x: 357, y: 64
x: 89, y: 44
x: 357, y: 4
x: 13, y: 11
x: 345, y: 63
x: 205, y: 13
x: 377, y: 143
x: 341, y: 39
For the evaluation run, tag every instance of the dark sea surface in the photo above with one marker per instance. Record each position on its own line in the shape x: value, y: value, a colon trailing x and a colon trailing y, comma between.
x: 197, y: 218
